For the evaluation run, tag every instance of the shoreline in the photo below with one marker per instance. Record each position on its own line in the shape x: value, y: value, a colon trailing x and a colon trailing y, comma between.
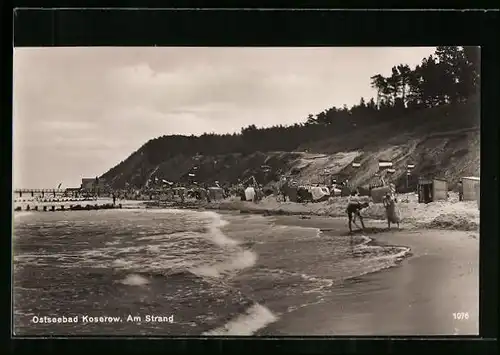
x: 443, y: 215
x: 397, y: 300
x: 378, y: 302
x: 401, y: 299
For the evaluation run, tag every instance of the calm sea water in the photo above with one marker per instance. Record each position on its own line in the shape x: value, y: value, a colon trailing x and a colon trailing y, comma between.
x: 174, y: 272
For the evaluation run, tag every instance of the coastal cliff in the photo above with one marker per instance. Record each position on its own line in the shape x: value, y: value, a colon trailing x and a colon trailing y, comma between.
x: 442, y: 141
x: 427, y: 116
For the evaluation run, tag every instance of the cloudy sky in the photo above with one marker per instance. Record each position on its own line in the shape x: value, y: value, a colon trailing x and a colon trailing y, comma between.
x: 80, y: 111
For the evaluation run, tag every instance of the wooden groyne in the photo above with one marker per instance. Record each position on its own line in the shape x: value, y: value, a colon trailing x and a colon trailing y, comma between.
x: 52, y: 200
x: 54, y: 208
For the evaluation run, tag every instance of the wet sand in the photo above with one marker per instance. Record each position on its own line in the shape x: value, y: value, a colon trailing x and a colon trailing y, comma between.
x: 418, y: 297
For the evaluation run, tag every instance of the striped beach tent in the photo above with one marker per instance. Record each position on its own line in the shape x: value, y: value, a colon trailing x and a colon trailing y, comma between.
x: 384, y: 164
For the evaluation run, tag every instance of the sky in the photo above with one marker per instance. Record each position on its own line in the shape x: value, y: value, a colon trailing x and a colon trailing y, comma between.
x: 79, y: 111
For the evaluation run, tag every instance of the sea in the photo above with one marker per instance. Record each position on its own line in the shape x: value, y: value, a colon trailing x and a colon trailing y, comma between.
x: 169, y: 272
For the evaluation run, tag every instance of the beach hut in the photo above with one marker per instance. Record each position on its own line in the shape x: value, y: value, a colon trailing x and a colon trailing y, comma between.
x: 432, y: 190
x: 291, y: 191
x: 249, y: 193
x: 364, y: 190
x: 471, y: 188
x: 216, y: 193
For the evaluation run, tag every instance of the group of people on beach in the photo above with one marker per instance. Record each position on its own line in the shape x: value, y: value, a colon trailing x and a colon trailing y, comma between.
x: 354, y: 207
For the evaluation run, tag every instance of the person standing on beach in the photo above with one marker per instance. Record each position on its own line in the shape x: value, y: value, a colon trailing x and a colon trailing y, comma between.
x: 114, y: 199
x: 460, y: 191
x: 284, y: 187
x: 207, y: 191
x: 390, y: 210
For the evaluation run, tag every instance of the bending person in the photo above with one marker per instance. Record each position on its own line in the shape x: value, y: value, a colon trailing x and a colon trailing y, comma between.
x: 353, y: 210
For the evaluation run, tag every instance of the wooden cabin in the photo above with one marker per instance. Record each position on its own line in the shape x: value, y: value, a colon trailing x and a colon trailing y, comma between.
x: 430, y: 190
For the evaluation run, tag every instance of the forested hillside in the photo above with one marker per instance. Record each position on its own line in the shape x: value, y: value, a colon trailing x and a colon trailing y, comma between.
x: 431, y: 112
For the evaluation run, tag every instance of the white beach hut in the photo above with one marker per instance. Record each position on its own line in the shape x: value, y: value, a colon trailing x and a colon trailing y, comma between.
x: 471, y: 188
x: 249, y: 194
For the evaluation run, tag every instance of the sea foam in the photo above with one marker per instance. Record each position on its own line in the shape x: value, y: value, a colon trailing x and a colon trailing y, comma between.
x: 255, y: 318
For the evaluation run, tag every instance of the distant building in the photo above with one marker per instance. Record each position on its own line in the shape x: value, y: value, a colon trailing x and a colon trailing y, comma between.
x: 91, y: 184
x: 88, y: 184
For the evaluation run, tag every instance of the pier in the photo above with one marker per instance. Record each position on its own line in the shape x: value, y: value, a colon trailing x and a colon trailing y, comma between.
x: 44, y: 192
x: 79, y: 207
x: 75, y: 194
x: 44, y: 200
x: 39, y: 191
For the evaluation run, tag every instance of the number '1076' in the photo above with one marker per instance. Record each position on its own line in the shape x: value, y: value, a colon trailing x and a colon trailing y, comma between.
x: 461, y: 315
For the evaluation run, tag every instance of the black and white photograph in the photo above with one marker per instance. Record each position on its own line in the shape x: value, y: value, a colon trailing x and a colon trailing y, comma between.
x: 246, y: 191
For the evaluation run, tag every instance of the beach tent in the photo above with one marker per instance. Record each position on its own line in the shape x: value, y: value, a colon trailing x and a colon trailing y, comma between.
x: 170, y: 194
x: 320, y: 193
x: 249, y: 194
x: 180, y: 192
x: 291, y: 192
x: 163, y: 197
x: 276, y: 190
x: 201, y: 194
x: 335, y: 191
x: 378, y: 193
x: 432, y: 190
x: 215, y: 193
x: 259, y: 194
x: 304, y: 194
x: 345, y: 191
x: 384, y: 164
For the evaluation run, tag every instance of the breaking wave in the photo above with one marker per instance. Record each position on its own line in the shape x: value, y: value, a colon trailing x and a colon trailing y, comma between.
x: 186, y: 258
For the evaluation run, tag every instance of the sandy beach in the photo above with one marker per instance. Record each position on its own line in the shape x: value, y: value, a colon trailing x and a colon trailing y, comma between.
x: 450, y: 214
x: 417, y: 297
